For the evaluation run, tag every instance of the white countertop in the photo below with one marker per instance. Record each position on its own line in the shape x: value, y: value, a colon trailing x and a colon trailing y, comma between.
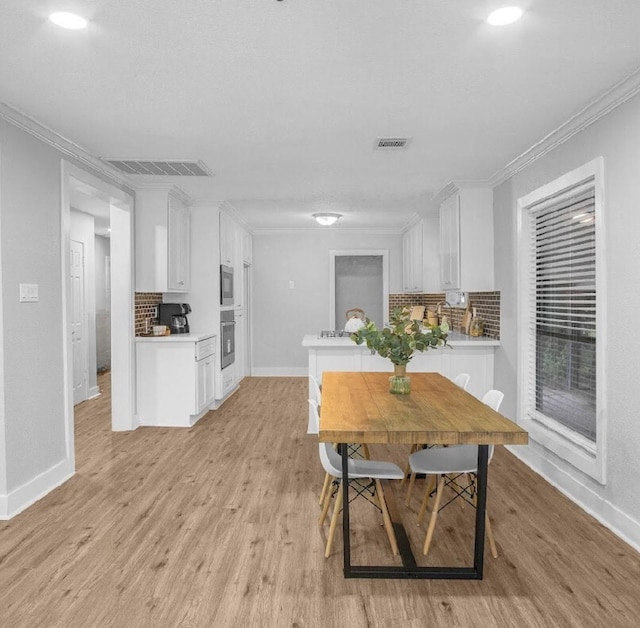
x: 191, y: 337
x: 454, y: 339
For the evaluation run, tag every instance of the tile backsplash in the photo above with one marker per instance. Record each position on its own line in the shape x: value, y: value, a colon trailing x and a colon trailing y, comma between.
x: 487, y: 306
x: 144, y: 309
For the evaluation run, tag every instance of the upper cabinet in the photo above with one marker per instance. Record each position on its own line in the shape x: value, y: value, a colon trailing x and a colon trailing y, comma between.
x: 412, y: 280
x: 162, y: 241
x: 228, y: 245
x: 247, y: 248
x: 466, y: 240
x: 450, y: 243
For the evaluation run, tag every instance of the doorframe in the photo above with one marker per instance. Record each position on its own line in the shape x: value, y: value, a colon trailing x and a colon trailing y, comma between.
x: 248, y: 336
x: 123, y: 411
x: 333, y: 253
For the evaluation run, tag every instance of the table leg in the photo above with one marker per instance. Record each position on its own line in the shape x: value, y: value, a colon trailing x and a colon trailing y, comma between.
x: 409, y: 569
x: 481, y: 508
x: 344, y: 451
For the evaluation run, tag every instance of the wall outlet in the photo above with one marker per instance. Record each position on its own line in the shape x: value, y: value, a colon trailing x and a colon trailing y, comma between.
x: 292, y: 284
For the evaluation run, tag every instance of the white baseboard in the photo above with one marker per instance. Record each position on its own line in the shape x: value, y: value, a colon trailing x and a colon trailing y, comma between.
x: 94, y: 392
x: 280, y: 371
x: 24, y: 496
x: 610, y: 516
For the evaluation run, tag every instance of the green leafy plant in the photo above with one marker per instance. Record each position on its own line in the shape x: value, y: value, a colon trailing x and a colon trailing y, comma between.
x: 401, y: 339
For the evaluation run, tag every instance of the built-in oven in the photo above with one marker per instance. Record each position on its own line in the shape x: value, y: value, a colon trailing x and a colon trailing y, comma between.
x: 228, y: 337
x: 226, y: 285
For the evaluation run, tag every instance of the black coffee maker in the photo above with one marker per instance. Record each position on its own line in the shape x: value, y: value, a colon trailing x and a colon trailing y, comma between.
x: 174, y: 316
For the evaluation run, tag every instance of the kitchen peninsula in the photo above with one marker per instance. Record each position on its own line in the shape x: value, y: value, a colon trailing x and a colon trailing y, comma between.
x: 461, y: 354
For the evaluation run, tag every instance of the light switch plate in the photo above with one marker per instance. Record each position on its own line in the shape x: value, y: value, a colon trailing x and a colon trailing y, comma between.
x: 28, y: 293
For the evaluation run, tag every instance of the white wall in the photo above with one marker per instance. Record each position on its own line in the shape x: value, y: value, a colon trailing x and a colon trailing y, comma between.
x: 281, y: 315
x: 616, y: 137
x: 33, y: 454
x: 32, y: 332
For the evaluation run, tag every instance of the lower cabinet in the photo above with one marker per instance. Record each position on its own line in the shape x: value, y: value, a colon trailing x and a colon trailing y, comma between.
x: 175, y: 379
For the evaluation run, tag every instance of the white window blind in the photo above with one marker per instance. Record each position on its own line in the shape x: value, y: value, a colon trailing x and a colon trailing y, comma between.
x: 562, y: 287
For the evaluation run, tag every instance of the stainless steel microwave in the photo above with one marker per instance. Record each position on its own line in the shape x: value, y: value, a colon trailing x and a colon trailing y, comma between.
x: 226, y: 285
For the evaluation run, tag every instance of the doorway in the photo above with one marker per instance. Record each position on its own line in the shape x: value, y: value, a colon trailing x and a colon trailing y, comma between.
x: 359, y: 279
x: 78, y: 317
x: 103, y: 202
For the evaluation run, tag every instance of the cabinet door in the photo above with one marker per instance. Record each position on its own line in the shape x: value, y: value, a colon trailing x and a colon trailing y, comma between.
x: 201, y: 385
x: 227, y: 239
x: 178, y: 241
x: 450, y: 243
x: 209, y: 380
x: 247, y: 248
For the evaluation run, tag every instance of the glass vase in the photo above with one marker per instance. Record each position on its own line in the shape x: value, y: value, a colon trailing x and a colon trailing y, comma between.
x: 399, y: 382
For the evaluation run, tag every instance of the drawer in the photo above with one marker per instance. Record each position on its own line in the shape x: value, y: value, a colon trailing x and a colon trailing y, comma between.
x: 205, y: 348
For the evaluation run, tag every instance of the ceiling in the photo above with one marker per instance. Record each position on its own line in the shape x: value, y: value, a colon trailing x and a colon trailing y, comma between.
x: 284, y: 101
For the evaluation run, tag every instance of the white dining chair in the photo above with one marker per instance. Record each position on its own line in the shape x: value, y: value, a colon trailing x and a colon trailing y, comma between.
x: 461, y: 380
x: 441, y: 463
x: 359, y: 469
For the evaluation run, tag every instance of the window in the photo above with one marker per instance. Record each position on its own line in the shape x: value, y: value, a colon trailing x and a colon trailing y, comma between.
x: 559, y: 292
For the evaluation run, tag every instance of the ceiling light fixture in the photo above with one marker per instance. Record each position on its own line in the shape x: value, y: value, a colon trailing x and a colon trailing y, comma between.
x: 326, y: 218
x: 70, y: 21
x: 504, y: 16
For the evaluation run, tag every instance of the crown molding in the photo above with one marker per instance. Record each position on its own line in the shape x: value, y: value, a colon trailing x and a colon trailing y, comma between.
x: 228, y: 208
x: 24, y: 122
x: 158, y: 186
x: 335, y: 230
x: 620, y: 93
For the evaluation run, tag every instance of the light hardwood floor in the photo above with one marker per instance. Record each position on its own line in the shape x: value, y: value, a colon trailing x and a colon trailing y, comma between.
x: 215, y: 526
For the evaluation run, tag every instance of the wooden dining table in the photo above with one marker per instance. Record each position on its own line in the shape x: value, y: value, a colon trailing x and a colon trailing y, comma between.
x: 357, y: 407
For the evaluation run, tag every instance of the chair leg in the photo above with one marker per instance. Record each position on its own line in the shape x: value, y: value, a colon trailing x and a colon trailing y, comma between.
x: 325, y: 486
x: 492, y: 543
x: 388, y: 525
x: 412, y: 481
x: 325, y: 507
x: 434, y: 516
x: 425, y: 501
x: 334, y: 520
x: 407, y: 468
x: 365, y: 449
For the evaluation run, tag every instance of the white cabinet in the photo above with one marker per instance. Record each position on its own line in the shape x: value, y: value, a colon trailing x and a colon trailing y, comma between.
x: 178, y: 246
x: 412, y: 259
x: 227, y: 239
x: 247, y: 248
x: 205, y: 392
x: 466, y: 240
x: 450, y: 243
x: 175, y: 379
x: 162, y: 241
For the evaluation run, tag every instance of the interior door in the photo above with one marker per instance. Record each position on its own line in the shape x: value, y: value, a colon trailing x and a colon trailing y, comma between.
x: 77, y: 322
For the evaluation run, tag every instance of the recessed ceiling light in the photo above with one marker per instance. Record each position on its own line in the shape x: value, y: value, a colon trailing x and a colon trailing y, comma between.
x: 504, y: 16
x: 326, y: 218
x: 68, y: 20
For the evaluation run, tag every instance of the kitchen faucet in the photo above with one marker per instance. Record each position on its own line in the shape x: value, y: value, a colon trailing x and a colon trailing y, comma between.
x: 439, y: 312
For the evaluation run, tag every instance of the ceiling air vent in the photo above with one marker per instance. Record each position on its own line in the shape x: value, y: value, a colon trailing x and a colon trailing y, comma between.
x: 383, y: 143
x: 161, y: 168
